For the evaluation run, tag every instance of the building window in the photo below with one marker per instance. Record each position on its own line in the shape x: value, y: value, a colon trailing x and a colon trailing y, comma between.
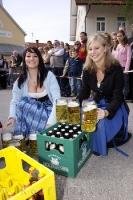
x: 100, y: 24
x: 121, y: 22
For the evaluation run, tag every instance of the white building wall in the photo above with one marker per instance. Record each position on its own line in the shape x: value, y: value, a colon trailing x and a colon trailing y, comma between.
x: 73, y: 20
x: 110, y: 13
x: 81, y: 14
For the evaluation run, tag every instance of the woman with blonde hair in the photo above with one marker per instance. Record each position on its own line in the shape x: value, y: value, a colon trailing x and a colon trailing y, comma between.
x: 103, y: 80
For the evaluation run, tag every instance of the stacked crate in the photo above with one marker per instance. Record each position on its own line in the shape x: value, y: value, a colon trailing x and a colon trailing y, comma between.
x: 64, y: 155
x: 16, y: 182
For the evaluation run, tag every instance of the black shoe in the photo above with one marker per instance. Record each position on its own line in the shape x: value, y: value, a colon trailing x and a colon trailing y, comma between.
x: 118, y: 141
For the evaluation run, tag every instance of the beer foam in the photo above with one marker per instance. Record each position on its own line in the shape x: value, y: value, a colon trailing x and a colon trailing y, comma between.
x: 32, y: 136
x: 7, y: 136
x: 92, y: 102
x: 73, y: 104
x: 61, y: 102
x: 18, y: 137
x: 89, y: 107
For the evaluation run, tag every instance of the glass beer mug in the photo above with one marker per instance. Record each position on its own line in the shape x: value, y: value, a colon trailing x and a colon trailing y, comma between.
x: 73, y: 112
x: 61, y: 110
x: 33, y: 144
x: 7, y: 135
x: 89, y: 116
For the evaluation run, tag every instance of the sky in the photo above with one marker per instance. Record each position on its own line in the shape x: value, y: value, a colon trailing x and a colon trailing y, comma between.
x: 42, y: 19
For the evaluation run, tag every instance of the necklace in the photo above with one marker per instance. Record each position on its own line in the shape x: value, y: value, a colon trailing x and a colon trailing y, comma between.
x: 100, y: 77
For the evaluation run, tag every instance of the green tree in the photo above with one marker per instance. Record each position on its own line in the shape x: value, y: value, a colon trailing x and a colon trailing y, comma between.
x: 128, y: 9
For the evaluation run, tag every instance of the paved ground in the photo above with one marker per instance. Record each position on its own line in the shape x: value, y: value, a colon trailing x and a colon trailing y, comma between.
x: 101, y: 178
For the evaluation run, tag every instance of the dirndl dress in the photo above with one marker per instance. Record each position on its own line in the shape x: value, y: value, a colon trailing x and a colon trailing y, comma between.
x: 107, y: 129
x: 32, y: 115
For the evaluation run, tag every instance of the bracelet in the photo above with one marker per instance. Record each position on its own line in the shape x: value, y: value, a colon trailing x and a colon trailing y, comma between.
x: 106, y: 113
x: 11, y: 118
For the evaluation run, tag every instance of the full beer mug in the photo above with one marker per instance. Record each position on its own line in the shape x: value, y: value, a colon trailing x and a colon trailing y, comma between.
x: 73, y: 112
x: 33, y: 144
x: 7, y: 138
x: 7, y: 135
x: 61, y: 110
x: 89, y: 116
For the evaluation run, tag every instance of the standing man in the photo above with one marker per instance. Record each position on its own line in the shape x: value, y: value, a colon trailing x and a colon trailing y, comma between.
x: 83, y: 48
x: 57, y: 59
x: 14, y: 70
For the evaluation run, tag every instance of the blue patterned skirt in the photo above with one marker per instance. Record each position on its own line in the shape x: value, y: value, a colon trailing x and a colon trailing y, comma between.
x: 107, y: 129
x: 32, y: 115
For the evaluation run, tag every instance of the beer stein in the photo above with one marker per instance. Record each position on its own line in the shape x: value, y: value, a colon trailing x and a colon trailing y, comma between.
x: 73, y: 112
x: 61, y: 110
x: 89, y: 116
x: 6, y: 137
x: 18, y: 141
x: 33, y: 144
x: 8, y: 132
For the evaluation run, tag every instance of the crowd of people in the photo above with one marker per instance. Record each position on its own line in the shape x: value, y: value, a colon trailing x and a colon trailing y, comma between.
x: 97, y: 66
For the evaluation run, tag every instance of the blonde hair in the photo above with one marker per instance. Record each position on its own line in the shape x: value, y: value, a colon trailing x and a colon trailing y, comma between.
x: 102, y: 39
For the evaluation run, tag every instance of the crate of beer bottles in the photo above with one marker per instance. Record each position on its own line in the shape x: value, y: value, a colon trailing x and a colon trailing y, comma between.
x: 23, y: 178
x: 64, y: 148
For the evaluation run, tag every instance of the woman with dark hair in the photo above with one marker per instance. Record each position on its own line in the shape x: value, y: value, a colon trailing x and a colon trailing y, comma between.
x: 34, y: 93
x: 3, y: 72
x: 103, y: 80
x: 115, y: 43
x: 123, y: 55
x: 66, y: 52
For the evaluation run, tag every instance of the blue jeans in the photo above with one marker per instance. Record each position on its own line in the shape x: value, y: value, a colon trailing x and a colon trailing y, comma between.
x: 75, y: 85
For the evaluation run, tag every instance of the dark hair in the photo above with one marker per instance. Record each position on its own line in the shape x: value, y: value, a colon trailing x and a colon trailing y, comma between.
x: 42, y: 71
x: 125, y: 39
x: 85, y: 34
x: 49, y: 41
x: 66, y: 44
x: 77, y: 43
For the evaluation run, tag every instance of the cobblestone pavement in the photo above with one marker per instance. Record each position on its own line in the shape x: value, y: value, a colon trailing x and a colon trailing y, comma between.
x: 101, y: 178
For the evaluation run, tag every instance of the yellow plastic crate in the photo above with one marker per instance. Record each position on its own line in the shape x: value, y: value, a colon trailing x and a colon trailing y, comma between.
x: 11, y: 165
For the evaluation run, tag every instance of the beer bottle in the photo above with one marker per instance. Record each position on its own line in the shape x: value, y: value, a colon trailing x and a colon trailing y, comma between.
x: 66, y: 135
x: 67, y: 128
x: 75, y: 135
x: 52, y: 146
x: 47, y: 145
x: 55, y: 130
x: 79, y: 132
x: 58, y: 134
x: 75, y: 129
x: 63, y: 131
x: 50, y: 133
x: 70, y: 126
x: 78, y: 127
x: 71, y: 133
x: 61, y: 148
x: 63, y: 125
x: 82, y: 141
x: 59, y: 127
